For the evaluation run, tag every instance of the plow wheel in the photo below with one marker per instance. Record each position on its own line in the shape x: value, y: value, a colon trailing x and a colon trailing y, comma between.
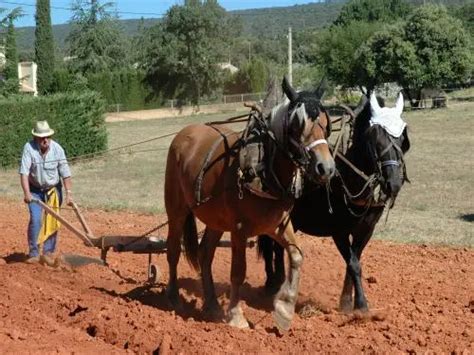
x: 153, y: 272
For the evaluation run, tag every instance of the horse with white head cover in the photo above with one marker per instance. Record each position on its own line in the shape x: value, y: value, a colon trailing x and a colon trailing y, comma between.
x: 390, y: 118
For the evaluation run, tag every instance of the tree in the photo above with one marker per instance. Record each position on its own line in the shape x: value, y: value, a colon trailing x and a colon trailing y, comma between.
x: 372, y: 11
x: 335, y: 51
x: 337, y: 48
x: 252, y: 77
x: 11, y: 83
x: 430, y: 49
x: 95, y: 42
x: 385, y: 56
x: 11, y: 55
x: 181, y: 60
x: 44, y: 46
x: 466, y: 14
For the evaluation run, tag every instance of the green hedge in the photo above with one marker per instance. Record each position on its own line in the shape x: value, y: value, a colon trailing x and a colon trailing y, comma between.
x: 122, y: 87
x: 77, y: 118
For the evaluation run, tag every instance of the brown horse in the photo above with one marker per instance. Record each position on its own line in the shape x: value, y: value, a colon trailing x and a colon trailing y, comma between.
x: 203, y: 161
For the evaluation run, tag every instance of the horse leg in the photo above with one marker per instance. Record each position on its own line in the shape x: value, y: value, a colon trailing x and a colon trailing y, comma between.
x: 235, y: 316
x: 353, y: 272
x: 285, y: 300
x: 361, y: 235
x: 207, y: 249
x: 345, y: 301
x: 279, y: 264
x: 265, y: 248
x: 173, y: 252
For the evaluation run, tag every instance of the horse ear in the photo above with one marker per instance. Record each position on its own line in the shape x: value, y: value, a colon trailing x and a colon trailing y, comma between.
x: 406, y: 141
x: 319, y: 92
x: 374, y: 104
x: 361, y: 105
x: 399, y: 104
x: 288, y: 90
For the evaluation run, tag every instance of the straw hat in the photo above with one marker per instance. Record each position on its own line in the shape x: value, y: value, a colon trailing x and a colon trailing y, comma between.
x: 42, y: 129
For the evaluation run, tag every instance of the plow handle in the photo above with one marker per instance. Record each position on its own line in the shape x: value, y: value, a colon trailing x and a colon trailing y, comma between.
x: 69, y: 226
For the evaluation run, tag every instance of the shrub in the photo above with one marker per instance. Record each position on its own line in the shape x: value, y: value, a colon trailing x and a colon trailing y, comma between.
x: 77, y: 118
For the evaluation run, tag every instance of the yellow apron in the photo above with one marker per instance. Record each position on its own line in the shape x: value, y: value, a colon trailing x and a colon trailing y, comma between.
x: 50, y: 224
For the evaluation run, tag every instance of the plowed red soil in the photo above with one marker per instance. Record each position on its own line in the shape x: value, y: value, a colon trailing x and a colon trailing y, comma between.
x: 422, y: 298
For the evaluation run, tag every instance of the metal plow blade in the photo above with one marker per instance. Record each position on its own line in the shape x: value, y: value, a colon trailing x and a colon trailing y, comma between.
x: 76, y: 260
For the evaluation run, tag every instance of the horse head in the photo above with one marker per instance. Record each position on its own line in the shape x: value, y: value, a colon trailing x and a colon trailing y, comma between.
x: 386, y: 139
x: 388, y: 156
x: 303, y: 124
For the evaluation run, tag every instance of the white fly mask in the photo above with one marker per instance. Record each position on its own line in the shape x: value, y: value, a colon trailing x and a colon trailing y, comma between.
x: 390, y: 118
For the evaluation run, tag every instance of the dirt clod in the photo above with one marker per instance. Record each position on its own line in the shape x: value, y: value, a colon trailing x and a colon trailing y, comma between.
x: 371, y: 280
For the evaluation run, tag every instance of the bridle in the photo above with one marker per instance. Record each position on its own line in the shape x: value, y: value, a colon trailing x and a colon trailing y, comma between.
x: 375, y: 180
x: 304, y: 159
x: 285, y: 141
x: 399, y: 162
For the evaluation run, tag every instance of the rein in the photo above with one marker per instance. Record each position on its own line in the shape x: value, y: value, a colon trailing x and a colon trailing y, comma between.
x: 373, y: 181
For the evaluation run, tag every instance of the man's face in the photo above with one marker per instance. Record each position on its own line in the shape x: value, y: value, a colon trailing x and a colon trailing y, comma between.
x: 43, y: 143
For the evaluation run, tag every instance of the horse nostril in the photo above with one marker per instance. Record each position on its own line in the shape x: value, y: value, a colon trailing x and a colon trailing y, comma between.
x: 325, y: 169
x: 320, y: 169
x: 393, y: 188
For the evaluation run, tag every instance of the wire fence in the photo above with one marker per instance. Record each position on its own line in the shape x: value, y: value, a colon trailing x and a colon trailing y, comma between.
x: 434, y: 98
x: 222, y: 99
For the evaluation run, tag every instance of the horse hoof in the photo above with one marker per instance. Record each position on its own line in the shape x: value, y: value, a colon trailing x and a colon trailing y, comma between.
x: 173, y: 300
x: 362, y: 309
x: 282, y: 322
x: 236, y: 319
x: 213, y: 313
x: 345, y: 307
x: 240, y: 323
x: 283, y: 314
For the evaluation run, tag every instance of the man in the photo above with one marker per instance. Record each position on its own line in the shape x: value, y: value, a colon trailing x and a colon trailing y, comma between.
x: 43, y: 165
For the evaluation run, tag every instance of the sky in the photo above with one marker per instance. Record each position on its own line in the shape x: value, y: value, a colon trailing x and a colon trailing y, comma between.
x: 132, y: 8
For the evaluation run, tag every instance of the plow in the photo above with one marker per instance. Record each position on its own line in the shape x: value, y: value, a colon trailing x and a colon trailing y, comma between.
x: 142, y: 244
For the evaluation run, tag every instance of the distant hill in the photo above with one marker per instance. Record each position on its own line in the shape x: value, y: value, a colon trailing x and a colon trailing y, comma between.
x: 267, y: 22
x: 26, y: 35
x: 271, y: 22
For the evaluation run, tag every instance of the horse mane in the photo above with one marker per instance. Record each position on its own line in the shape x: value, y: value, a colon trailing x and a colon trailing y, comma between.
x: 276, y: 120
x: 273, y: 97
x: 360, y: 151
x: 361, y: 124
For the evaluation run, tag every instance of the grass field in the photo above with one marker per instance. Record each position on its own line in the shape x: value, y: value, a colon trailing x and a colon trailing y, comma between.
x: 437, y: 207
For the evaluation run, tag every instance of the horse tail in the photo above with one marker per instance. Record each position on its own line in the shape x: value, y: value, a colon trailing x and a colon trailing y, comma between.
x: 190, y: 241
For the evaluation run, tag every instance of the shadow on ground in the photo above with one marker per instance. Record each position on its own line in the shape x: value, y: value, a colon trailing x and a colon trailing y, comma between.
x: 467, y: 217
x: 15, y: 258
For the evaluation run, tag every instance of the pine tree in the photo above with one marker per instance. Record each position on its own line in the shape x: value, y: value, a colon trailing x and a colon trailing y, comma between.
x: 11, y: 55
x: 44, y: 46
x: 95, y: 42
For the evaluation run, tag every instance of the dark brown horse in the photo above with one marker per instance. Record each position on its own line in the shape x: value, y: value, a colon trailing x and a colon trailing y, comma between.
x: 353, y: 208
x: 202, y: 181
